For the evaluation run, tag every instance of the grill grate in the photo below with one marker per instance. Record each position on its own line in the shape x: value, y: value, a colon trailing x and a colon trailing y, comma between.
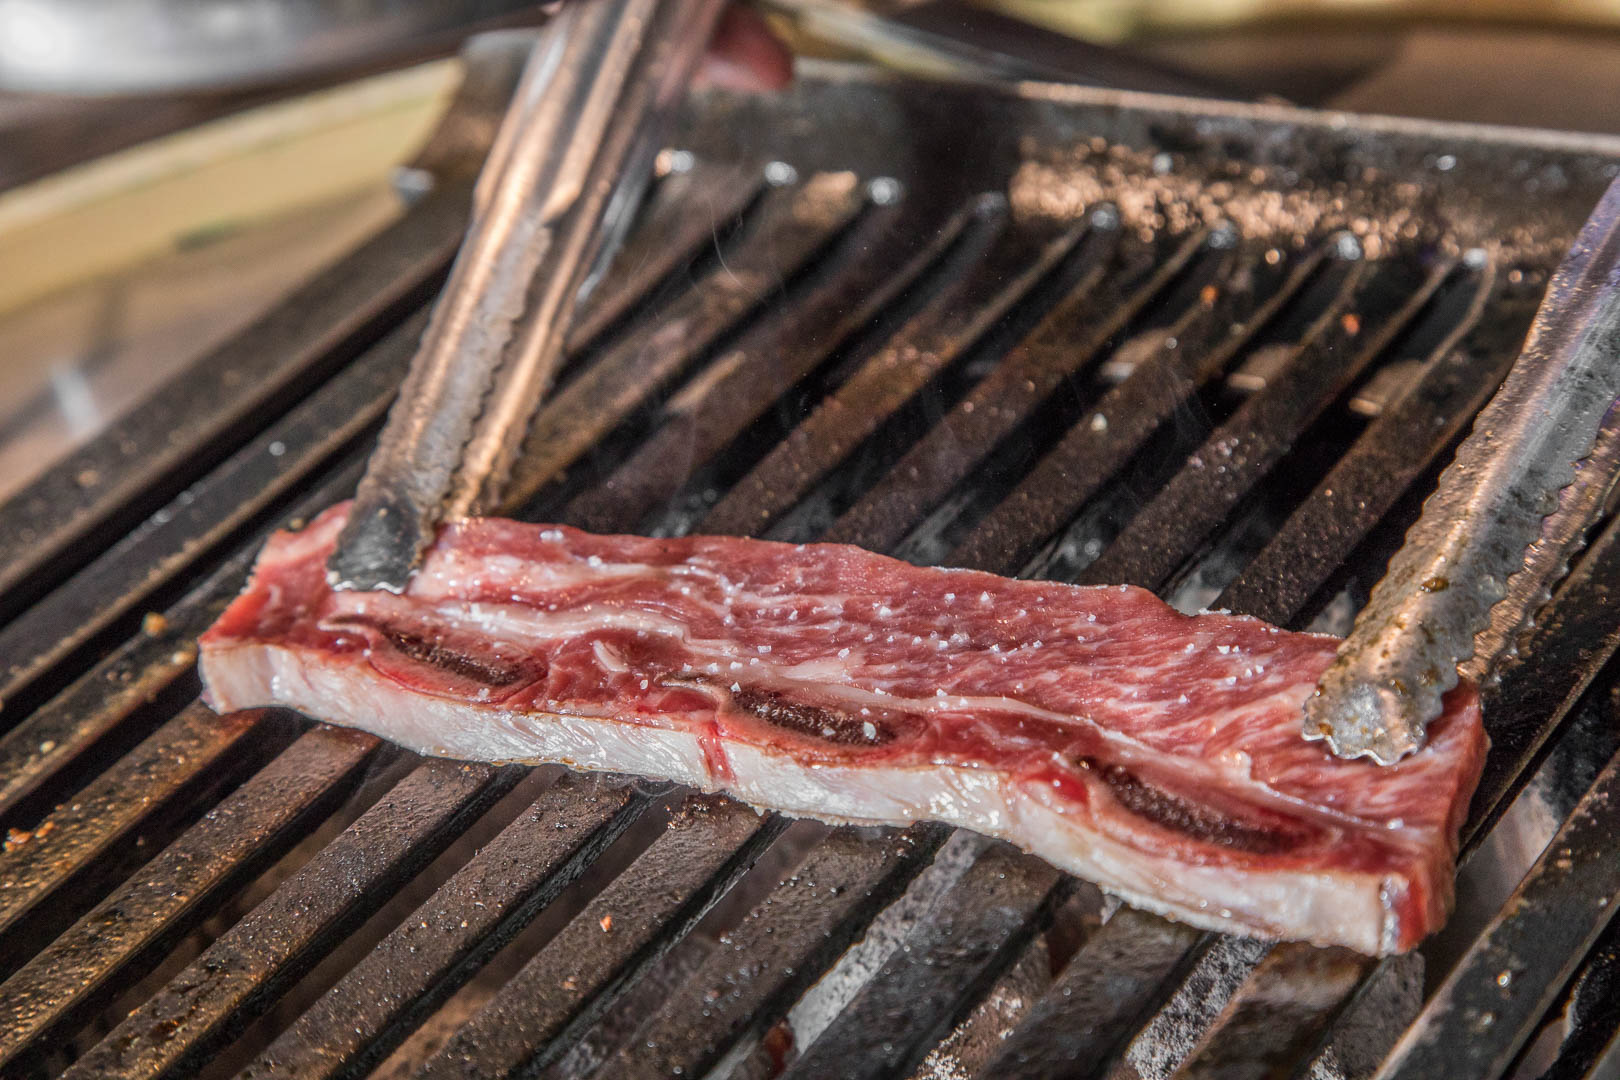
x: 1217, y: 351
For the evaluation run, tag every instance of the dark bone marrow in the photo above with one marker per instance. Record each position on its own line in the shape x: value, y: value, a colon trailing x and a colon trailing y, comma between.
x: 1172, y: 812
x: 817, y: 721
x: 446, y: 653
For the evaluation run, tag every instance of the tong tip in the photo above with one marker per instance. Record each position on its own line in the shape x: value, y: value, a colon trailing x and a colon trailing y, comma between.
x: 1362, y: 719
x: 378, y: 548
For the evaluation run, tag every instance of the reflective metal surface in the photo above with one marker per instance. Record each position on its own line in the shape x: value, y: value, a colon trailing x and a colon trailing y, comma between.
x: 561, y: 185
x: 1440, y: 590
x: 146, y: 46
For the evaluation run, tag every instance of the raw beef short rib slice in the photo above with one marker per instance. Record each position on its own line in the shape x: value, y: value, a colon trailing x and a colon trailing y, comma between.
x: 1154, y: 753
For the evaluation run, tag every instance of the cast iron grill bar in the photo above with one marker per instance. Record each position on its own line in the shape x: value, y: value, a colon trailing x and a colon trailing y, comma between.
x: 1589, y: 1014
x: 1125, y: 418
x: 1400, y: 446
x: 910, y: 1004
x: 1005, y: 271
x: 1274, y: 1017
x: 1240, y: 452
x: 1066, y: 343
x: 787, y: 346
x: 51, y: 869
x: 438, y: 946
x: 620, y: 934
x: 792, y: 227
x: 781, y: 947
x: 243, y: 971
x: 242, y: 835
x: 1106, y: 992
x: 1490, y: 1003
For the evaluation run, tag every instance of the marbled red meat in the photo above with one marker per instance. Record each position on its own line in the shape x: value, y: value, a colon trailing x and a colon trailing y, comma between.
x: 1154, y: 753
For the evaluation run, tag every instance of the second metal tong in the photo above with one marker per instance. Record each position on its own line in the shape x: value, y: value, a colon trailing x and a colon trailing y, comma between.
x: 563, y: 179
x: 1499, y: 530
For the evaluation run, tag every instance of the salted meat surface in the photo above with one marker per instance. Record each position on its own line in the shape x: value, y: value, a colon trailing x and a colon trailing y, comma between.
x: 1154, y: 753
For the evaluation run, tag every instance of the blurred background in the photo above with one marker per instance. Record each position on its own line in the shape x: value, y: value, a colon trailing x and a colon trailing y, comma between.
x: 171, y: 168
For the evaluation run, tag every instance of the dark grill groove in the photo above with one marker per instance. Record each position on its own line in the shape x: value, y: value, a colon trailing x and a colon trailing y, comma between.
x: 1064, y: 343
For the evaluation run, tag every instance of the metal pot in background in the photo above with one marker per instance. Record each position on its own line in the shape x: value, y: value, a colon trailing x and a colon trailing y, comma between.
x: 163, y: 46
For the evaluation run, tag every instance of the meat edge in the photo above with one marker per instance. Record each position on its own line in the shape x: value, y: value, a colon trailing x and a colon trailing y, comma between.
x: 1355, y: 910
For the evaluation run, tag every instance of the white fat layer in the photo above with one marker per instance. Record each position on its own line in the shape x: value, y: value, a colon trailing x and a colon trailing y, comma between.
x: 1325, y: 908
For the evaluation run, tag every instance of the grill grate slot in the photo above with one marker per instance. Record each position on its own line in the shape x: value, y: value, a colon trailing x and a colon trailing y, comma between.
x: 129, y: 929
x: 1096, y: 450
x: 908, y: 1005
x: 1004, y: 399
x: 277, y: 941
x: 1240, y: 453
x: 711, y: 413
x: 439, y: 945
x: 780, y: 947
x: 570, y: 983
x: 1007, y: 265
x: 1109, y: 989
x: 1586, y: 1023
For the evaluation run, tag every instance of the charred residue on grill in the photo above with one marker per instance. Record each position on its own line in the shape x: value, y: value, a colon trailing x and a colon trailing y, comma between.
x: 1168, y: 811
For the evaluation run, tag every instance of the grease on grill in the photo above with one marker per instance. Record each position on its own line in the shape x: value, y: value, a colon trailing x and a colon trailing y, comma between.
x: 1170, y: 812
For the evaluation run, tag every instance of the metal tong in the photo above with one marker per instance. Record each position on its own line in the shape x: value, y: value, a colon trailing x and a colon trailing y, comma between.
x: 568, y: 167
x: 1498, y: 532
